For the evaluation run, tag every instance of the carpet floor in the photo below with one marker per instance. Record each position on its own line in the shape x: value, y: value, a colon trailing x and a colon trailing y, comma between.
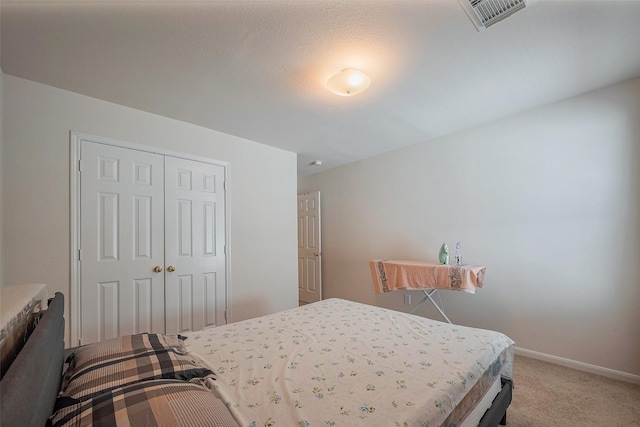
x: 547, y: 394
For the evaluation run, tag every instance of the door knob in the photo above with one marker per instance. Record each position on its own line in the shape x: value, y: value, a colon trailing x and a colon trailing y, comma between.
x: 157, y: 269
x: 171, y: 268
x: 315, y: 254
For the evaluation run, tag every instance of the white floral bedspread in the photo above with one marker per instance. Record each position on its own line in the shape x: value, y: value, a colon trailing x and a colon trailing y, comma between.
x: 341, y: 363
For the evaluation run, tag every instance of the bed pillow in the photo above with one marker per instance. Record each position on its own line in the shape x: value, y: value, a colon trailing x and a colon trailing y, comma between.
x: 162, y: 403
x: 103, y: 366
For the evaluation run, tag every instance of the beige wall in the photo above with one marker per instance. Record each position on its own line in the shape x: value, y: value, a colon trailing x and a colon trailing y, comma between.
x: 548, y: 201
x: 35, y: 176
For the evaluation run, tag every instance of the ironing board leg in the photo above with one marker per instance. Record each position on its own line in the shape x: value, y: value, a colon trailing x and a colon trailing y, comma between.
x: 427, y: 296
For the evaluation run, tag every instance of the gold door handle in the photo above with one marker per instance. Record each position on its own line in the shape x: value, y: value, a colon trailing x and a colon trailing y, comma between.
x: 315, y: 254
x: 157, y: 269
x: 171, y: 269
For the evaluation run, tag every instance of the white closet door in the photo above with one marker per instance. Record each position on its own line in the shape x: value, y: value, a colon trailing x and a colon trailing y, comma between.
x: 121, y: 242
x: 194, y: 249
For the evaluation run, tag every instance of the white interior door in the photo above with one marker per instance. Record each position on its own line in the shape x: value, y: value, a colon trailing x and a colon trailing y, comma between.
x: 151, y: 239
x: 309, y: 248
x: 195, y: 239
x: 121, y: 230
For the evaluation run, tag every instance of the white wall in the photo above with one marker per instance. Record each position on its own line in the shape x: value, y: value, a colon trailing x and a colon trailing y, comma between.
x: 35, y: 174
x: 548, y: 201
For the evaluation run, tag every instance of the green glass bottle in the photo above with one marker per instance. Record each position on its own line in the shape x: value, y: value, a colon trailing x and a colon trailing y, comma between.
x: 444, y: 254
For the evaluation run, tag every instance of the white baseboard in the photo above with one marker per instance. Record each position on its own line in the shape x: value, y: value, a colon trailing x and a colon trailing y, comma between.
x: 605, y: 372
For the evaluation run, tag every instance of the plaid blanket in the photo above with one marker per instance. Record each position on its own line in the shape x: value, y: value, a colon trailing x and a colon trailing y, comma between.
x: 121, y: 361
x: 137, y: 380
x: 160, y: 403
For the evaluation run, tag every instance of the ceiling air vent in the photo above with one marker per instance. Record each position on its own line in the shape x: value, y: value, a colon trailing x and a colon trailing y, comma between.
x: 485, y: 13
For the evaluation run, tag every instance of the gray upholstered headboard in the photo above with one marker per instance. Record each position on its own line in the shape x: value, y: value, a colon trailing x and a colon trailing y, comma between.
x: 29, y: 388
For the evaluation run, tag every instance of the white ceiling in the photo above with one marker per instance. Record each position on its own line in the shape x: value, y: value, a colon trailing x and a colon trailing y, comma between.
x: 256, y: 69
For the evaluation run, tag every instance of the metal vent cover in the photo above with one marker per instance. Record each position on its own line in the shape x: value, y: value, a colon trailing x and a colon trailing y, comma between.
x: 485, y: 13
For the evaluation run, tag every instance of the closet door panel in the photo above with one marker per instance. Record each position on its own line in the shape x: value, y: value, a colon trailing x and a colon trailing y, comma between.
x: 121, y: 242
x: 195, y: 239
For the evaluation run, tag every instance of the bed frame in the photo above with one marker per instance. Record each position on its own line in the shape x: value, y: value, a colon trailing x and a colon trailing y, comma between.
x: 497, y: 413
x: 29, y: 388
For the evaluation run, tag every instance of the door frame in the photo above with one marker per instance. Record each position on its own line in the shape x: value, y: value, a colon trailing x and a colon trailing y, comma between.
x: 74, y: 167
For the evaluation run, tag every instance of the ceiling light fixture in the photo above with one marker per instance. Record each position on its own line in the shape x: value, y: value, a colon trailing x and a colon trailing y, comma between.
x: 348, y: 82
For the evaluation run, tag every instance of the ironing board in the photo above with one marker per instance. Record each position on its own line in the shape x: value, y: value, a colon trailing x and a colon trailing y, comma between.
x: 428, y: 277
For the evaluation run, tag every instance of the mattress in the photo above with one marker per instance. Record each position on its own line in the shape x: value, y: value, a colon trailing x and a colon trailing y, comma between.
x: 338, y: 362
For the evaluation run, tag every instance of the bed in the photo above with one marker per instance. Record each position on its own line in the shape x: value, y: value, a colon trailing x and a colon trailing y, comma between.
x: 334, y: 362
x: 339, y: 362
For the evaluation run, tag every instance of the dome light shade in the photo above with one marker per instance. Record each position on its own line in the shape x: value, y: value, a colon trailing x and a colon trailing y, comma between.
x: 348, y: 82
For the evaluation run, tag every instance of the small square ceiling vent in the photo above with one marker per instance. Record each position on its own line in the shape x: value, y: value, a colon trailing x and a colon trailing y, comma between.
x: 485, y: 13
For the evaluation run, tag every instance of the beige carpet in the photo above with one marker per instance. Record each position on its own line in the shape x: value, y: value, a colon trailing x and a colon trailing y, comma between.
x: 551, y: 395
